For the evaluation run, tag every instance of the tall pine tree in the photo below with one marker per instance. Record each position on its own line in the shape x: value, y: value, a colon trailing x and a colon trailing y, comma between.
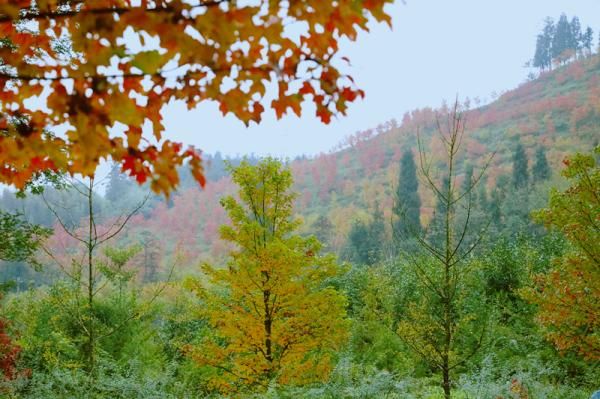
x: 520, y: 174
x: 541, y: 58
x: 562, y: 40
x: 576, y: 35
x: 366, y: 241
x: 541, y: 169
x: 408, y: 204
x: 587, y: 40
x: 118, y: 185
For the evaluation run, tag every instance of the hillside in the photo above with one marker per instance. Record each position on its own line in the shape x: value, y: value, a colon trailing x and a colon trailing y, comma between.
x: 560, y: 110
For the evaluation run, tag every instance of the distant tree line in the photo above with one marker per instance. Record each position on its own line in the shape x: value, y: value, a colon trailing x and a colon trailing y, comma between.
x: 561, y: 42
x: 506, y: 203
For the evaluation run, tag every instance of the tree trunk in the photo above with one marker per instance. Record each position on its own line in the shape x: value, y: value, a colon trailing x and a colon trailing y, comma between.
x: 446, y: 384
x: 90, y: 349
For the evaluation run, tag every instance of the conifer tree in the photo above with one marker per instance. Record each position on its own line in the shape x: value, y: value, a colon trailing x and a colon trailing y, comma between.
x: 587, y: 40
x: 273, y: 317
x: 541, y: 57
x: 548, y: 35
x: 562, y: 40
x: 541, y: 169
x: 323, y: 228
x: 407, y: 206
x: 118, y: 184
x: 520, y: 175
x: 377, y: 235
x: 468, y: 180
x: 366, y: 241
x: 576, y: 35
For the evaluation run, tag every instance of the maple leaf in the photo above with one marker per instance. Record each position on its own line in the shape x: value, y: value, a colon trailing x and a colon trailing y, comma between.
x: 96, y: 81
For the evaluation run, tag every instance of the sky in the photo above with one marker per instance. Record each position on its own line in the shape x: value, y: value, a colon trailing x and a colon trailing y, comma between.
x: 436, y: 50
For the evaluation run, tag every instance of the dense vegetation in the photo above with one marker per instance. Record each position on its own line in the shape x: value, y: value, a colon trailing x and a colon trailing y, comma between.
x: 471, y: 303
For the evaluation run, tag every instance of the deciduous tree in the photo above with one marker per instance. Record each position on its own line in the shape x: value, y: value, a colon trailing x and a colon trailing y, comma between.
x: 440, y: 325
x: 273, y: 316
x: 19, y: 240
x: 568, y: 296
x: 93, y: 66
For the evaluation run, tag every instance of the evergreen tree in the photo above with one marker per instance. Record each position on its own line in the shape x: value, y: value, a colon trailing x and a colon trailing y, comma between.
x: 216, y: 167
x: 436, y: 225
x: 541, y: 58
x: 322, y: 229
x: 561, y: 42
x: 366, y: 240
x: 118, y: 184
x: 357, y: 250
x: 576, y: 35
x: 495, y: 208
x: 587, y: 40
x: 541, y: 169
x: 407, y: 207
x: 548, y: 37
x: 150, y: 255
x: 520, y: 175
x: 377, y: 235
x: 482, y: 198
x: 468, y: 180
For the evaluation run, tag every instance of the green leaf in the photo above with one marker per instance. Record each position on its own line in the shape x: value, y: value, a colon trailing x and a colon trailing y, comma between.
x: 148, y: 61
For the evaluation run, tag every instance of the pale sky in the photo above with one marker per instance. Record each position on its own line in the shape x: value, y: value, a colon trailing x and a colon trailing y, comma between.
x: 436, y: 50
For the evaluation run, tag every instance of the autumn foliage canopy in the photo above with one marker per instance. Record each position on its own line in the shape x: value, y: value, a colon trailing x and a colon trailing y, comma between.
x: 273, y: 316
x: 98, y: 69
x: 568, y: 296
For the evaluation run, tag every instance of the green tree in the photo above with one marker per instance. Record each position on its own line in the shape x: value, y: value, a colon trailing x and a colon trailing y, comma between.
x: 541, y: 170
x: 85, y: 271
x: 323, y: 229
x: 562, y: 40
x: 542, y: 58
x: 366, y: 240
x: 19, y: 240
x: 407, y: 206
x: 441, y: 325
x: 520, y: 174
x: 576, y: 35
x: 568, y: 296
x: 548, y: 33
x: 118, y: 185
x: 587, y: 40
x: 273, y: 316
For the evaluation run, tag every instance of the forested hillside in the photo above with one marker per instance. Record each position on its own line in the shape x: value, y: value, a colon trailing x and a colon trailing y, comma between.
x: 557, y: 113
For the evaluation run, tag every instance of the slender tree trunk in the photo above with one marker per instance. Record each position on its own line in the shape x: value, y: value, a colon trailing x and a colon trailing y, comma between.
x: 447, y: 300
x: 90, y: 349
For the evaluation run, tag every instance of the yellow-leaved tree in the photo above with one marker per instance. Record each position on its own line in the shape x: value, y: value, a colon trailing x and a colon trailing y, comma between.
x: 274, y: 318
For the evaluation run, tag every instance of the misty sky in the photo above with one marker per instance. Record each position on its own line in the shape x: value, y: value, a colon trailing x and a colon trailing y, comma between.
x: 436, y: 50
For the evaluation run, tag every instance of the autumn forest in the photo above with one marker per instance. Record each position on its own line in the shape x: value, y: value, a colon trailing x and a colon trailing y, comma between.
x: 451, y: 252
